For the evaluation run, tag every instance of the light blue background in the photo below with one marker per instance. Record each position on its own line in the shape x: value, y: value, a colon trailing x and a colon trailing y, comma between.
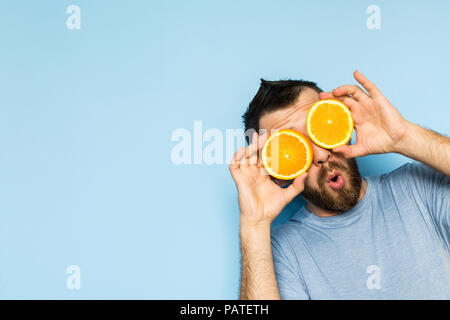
x: 86, y: 118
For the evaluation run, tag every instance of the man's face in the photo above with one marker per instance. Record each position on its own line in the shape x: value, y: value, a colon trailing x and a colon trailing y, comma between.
x: 333, y: 182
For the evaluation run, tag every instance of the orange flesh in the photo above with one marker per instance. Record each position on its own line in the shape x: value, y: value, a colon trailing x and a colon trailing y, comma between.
x: 291, y: 156
x: 329, y: 124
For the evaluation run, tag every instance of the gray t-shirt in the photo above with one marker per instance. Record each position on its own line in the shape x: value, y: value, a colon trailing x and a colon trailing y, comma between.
x: 394, y: 244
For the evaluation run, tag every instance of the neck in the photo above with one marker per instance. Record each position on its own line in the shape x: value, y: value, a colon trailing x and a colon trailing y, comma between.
x: 326, y: 213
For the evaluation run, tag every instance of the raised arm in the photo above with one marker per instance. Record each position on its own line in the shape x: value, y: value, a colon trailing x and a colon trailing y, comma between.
x: 380, y: 128
x: 260, y: 201
x: 426, y: 146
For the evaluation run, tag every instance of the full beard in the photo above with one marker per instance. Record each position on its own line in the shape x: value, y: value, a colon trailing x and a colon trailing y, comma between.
x: 335, y: 200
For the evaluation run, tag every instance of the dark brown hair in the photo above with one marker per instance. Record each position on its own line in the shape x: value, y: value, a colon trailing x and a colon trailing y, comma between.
x: 271, y: 96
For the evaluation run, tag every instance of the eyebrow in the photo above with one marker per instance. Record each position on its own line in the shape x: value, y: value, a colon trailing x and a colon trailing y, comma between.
x: 304, y: 105
x: 307, y: 103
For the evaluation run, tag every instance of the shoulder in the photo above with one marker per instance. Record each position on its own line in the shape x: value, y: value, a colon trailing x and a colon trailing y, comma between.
x: 413, y: 180
x: 412, y: 168
x: 406, y: 169
x: 412, y: 174
x: 285, y: 237
x: 281, y: 233
x: 406, y: 173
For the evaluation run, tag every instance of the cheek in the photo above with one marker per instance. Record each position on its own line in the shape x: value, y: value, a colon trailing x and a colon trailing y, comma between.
x: 313, y: 176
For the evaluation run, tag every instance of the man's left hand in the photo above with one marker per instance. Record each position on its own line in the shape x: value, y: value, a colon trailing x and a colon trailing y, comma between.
x: 379, y: 127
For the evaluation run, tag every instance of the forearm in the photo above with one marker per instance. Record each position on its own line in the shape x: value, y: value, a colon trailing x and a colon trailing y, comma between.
x: 427, y: 147
x: 258, y: 281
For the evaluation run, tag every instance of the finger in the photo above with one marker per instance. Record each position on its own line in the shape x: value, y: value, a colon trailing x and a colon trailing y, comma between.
x: 326, y: 95
x: 261, y: 141
x: 350, y: 151
x: 262, y: 170
x: 251, y: 152
x: 350, y: 90
x: 350, y: 102
x: 368, y: 85
x: 296, y: 187
x: 235, y: 162
x: 263, y: 138
x: 234, y: 170
x: 248, y: 152
x: 253, y: 158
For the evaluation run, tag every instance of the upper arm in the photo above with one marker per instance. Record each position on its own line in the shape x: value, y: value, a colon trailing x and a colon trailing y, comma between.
x: 434, y: 188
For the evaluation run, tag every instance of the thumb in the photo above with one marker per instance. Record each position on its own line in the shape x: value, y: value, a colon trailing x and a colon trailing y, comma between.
x: 297, y: 186
x: 349, y: 151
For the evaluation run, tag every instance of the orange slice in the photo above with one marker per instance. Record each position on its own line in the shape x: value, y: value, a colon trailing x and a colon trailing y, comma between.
x: 329, y: 123
x: 286, y: 154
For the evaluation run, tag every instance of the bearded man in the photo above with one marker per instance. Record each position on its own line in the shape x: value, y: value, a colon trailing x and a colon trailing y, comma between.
x: 378, y: 237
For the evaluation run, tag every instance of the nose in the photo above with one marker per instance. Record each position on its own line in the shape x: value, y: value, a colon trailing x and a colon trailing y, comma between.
x: 321, y: 155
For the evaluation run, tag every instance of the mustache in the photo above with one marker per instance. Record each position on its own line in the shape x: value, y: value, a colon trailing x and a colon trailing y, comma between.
x: 328, y: 168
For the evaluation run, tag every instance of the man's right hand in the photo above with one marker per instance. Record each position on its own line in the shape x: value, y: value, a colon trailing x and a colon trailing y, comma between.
x: 260, y: 198
x: 260, y: 201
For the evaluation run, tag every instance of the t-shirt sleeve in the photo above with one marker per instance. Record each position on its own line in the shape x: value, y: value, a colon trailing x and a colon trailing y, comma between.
x: 290, y: 284
x: 434, y: 189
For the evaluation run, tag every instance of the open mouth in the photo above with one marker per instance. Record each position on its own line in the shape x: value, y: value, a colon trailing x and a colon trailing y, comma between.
x: 336, y: 180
